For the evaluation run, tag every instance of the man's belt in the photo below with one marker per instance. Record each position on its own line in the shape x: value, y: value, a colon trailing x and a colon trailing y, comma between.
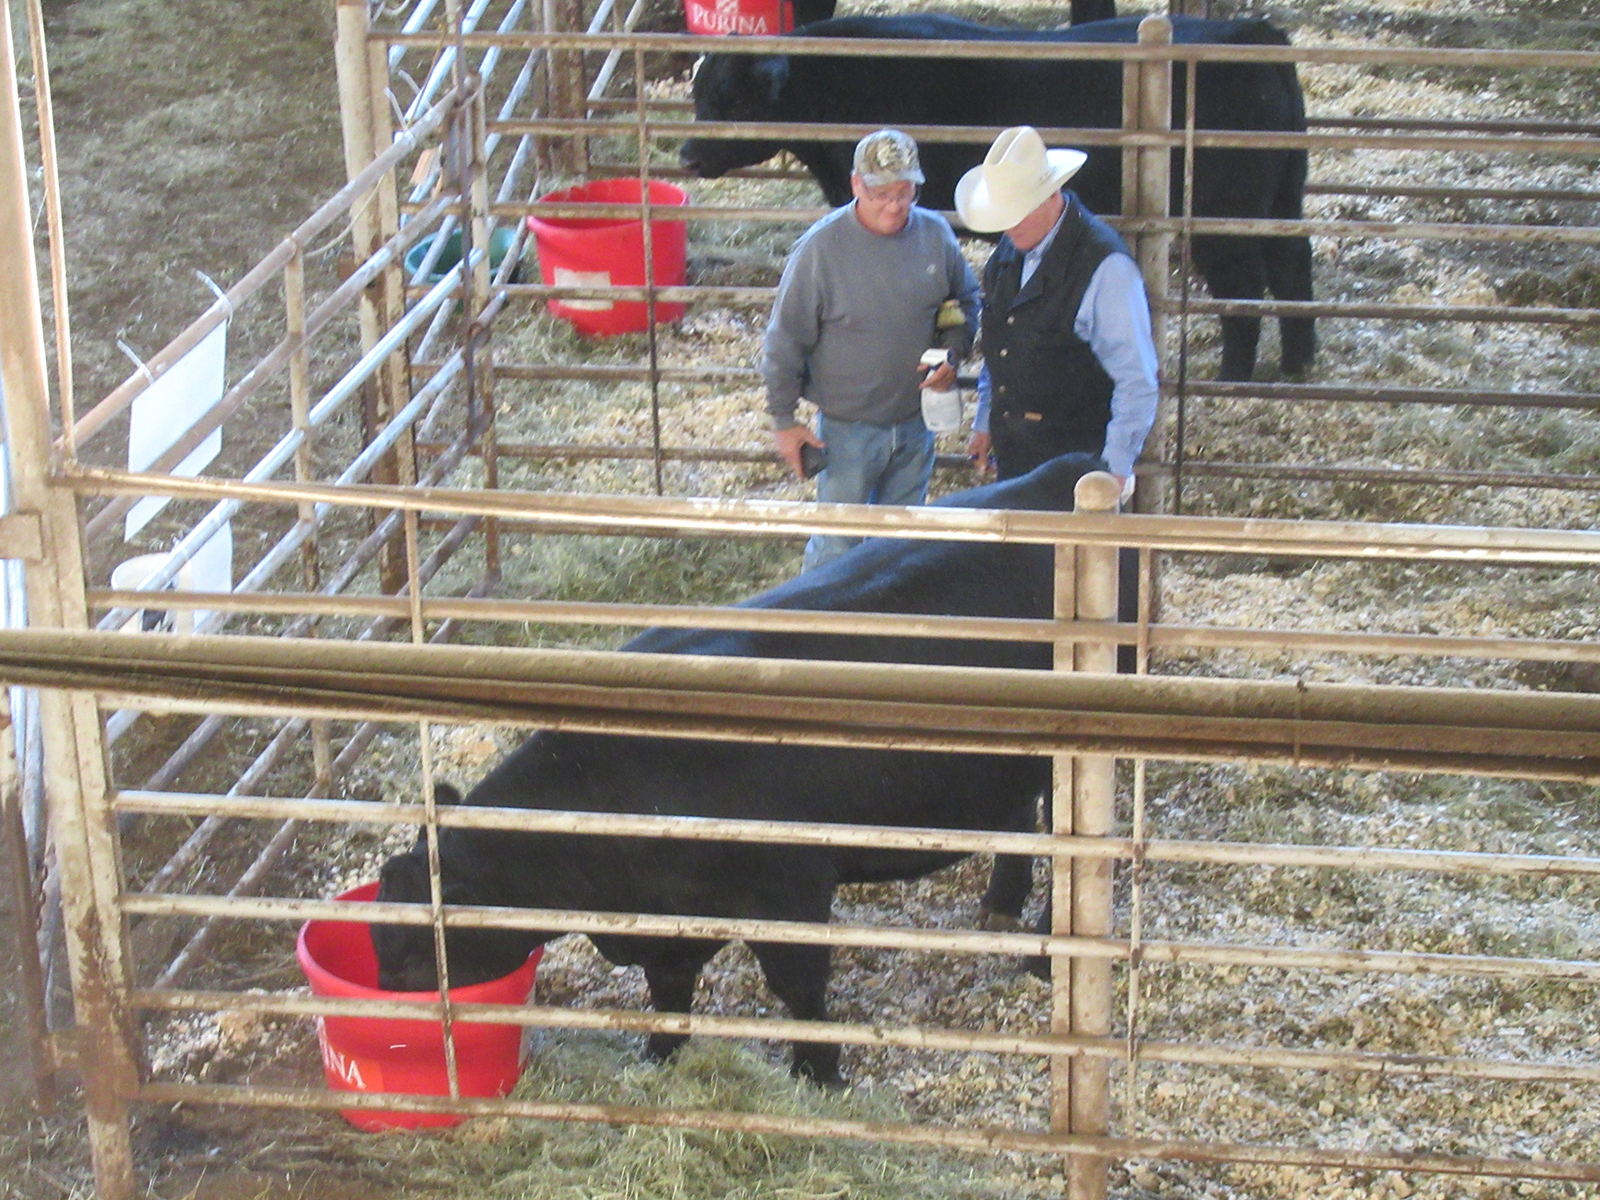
x: 1023, y: 416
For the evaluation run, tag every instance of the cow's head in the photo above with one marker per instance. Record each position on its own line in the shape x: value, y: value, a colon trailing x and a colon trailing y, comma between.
x: 735, y: 87
x: 405, y: 953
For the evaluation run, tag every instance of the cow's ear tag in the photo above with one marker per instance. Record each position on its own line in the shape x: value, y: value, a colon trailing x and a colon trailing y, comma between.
x: 772, y: 72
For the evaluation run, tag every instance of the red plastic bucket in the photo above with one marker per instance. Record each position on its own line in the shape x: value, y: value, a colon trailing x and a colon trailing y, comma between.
x: 745, y: 17
x: 370, y: 1054
x: 603, y: 251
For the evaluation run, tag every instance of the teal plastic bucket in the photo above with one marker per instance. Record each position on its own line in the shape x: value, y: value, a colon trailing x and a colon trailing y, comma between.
x: 499, y: 246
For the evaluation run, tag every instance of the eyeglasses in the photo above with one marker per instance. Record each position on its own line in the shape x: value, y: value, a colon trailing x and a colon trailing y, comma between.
x: 892, y: 195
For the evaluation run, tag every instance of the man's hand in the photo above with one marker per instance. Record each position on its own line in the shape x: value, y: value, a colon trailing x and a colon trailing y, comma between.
x: 980, y: 451
x: 789, y: 442
x: 941, y: 379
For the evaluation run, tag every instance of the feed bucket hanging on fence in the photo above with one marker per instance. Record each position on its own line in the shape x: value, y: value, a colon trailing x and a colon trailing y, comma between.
x: 746, y: 17
x: 606, y: 251
x: 373, y: 1054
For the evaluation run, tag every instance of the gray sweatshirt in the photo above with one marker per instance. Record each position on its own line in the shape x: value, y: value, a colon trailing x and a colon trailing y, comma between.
x: 854, y: 313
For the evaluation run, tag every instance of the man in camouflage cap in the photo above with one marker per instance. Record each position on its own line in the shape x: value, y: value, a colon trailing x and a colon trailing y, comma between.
x: 867, y: 290
x: 887, y: 157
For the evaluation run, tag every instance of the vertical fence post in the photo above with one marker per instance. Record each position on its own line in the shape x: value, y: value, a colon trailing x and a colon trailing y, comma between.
x: 1061, y: 813
x: 294, y: 304
x: 475, y: 123
x: 480, y: 347
x: 647, y: 229
x: 394, y: 381
x: 24, y: 912
x: 1086, y: 589
x: 565, y: 92
x: 1132, y: 83
x: 1147, y: 192
x: 1154, y: 174
x: 353, y: 66
x: 82, y: 826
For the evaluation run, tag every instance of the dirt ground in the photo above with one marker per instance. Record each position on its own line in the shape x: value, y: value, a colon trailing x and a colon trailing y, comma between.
x: 193, y: 134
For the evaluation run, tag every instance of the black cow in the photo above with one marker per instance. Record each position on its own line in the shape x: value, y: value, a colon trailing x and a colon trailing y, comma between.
x: 906, y: 91
x: 1083, y: 11
x: 613, y: 773
x: 807, y: 11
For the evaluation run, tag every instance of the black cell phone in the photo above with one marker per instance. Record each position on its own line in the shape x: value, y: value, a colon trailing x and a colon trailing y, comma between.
x: 812, y: 459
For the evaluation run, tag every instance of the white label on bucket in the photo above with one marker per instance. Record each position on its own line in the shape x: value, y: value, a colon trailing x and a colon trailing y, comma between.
x: 569, y: 278
x: 344, y: 1072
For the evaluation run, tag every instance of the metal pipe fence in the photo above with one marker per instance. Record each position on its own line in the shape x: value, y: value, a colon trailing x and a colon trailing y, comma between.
x: 422, y: 372
x: 1380, y: 134
x: 1373, y: 133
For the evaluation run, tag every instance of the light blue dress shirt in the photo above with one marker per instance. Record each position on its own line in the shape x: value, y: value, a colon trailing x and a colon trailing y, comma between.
x: 1114, y: 319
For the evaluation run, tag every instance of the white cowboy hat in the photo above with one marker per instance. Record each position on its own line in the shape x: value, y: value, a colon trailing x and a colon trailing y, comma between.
x: 1016, y: 176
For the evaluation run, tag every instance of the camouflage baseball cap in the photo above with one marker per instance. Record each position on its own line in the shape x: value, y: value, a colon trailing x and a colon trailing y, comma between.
x: 887, y: 156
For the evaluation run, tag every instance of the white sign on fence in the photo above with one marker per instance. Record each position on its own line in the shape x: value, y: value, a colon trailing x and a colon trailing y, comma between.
x: 167, y: 410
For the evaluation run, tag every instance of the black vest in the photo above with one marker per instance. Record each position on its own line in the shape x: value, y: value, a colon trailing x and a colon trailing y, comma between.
x: 1037, y: 364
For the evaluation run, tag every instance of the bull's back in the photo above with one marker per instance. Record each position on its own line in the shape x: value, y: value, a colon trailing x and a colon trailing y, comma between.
x: 995, y: 91
x: 955, y: 90
x: 925, y: 27
x: 924, y: 578
x: 959, y: 580
x: 1058, y: 93
x: 739, y: 780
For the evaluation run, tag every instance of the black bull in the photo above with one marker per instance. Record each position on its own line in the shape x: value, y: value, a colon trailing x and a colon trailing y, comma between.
x: 629, y: 774
x: 1228, y: 182
x: 807, y: 11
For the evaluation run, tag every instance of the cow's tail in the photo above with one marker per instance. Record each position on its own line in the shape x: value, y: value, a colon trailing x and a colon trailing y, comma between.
x: 1288, y: 259
x: 1291, y: 192
x: 1287, y: 203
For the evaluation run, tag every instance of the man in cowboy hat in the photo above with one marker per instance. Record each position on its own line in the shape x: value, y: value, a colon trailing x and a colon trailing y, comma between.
x: 867, y: 291
x: 1069, y: 362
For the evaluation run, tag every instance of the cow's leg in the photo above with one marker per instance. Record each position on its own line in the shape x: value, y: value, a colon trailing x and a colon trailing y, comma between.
x: 830, y: 165
x: 1288, y: 264
x: 1084, y: 11
x: 1128, y: 606
x: 1010, y: 881
x: 1020, y: 786
x: 671, y: 969
x: 1234, y: 269
x: 1039, y: 964
x: 798, y: 975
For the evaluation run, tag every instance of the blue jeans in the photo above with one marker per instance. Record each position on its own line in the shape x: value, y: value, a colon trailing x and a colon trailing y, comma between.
x: 869, y: 464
